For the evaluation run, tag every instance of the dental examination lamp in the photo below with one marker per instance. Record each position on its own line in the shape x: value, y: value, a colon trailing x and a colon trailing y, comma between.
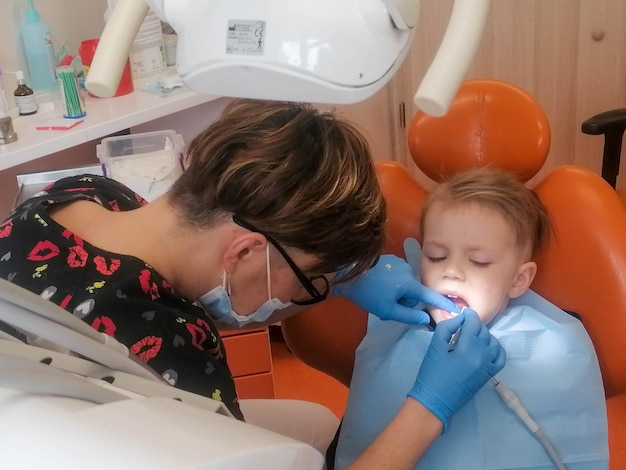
x: 319, y: 51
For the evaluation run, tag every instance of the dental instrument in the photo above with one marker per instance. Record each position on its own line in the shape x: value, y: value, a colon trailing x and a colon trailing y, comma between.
x: 453, y: 340
x: 455, y: 336
x: 514, y: 404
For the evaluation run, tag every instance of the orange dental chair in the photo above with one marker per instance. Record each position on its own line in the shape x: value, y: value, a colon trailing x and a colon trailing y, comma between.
x: 582, y: 270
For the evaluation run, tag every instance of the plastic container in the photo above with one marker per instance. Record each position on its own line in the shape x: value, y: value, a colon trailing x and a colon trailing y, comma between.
x: 147, y: 55
x: 39, y: 51
x: 4, y: 104
x: 7, y: 134
x: 170, y: 41
x: 148, y: 163
x: 73, y: 103
x: 86, y: 51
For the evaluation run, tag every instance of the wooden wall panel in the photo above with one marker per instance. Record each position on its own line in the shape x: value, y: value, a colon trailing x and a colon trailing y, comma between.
x: 600, y: 72
x: 554, y: 65
x: 569, y: 54
x: 375, y: 117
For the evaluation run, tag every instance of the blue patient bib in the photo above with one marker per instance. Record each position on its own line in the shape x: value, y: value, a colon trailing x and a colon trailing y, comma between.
x: 551, y: 366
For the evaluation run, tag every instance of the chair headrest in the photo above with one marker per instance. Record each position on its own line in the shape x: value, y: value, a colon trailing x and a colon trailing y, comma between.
x: 490, y: 123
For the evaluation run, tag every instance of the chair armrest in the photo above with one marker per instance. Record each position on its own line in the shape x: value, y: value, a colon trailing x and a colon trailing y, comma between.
x: 613, y: 120
x: 612, y: 124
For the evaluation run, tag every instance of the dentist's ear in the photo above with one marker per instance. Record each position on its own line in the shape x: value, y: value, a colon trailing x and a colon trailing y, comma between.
x: 523, y: 279
x: 241, y: 247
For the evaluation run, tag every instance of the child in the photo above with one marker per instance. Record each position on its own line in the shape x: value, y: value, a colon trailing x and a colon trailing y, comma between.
x: 480, y: 230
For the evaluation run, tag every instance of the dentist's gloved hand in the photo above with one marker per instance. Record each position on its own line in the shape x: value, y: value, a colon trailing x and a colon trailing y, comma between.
x: 389, y: 290
x: 446, y: 380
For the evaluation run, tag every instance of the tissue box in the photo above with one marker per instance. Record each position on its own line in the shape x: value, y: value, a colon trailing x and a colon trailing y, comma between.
x: 148, y: 163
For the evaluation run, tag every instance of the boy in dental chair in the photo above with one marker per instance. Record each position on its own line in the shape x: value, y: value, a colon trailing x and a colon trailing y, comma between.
x: 480, y: 230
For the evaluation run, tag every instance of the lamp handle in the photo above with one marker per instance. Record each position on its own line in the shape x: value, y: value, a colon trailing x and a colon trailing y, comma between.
x: 114, y: 47
x: 452, y: 61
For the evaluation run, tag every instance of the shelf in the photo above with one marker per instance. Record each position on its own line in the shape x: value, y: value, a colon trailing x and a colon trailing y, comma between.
x: 104, y: 117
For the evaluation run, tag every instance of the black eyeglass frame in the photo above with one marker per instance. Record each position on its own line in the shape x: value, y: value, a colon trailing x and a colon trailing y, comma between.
x: 306, y: 281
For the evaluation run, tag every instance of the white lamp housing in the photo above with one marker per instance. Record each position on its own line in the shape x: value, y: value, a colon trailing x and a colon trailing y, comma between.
x: 321, y: 51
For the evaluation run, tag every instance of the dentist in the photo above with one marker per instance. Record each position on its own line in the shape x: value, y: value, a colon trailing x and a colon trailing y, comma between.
x: 276, y: 199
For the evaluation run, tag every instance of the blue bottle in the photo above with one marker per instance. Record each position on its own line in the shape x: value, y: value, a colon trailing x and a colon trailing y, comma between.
x: 39, y: 51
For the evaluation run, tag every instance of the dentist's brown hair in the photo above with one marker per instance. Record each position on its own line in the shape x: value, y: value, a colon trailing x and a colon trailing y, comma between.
x: 303, y: 176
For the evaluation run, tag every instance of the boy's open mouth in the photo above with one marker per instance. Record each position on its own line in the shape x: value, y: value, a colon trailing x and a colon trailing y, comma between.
x: 458, y: 301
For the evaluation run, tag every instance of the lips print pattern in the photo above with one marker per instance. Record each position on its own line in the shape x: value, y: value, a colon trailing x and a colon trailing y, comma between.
x: 147, y: 348
x: 43, y: 251
x: 118, y: 295
x: 147, y: 285
x: 199, y: 332
x: 104, y: 268
x: 5, y: 229
x: 77, y: 257
x: 104, y: 325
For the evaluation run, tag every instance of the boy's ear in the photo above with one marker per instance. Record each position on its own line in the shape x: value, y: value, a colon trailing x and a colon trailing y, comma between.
x: 523, y: 279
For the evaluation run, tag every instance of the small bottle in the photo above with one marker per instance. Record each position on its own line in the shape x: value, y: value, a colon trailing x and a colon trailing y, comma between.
x: 24, y: 96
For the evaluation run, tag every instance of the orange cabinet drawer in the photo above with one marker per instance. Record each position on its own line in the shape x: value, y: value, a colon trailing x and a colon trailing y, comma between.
x: 255, y: 386
x: 248, y: 353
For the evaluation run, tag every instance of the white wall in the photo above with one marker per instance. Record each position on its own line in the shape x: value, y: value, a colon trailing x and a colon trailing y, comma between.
x: 71, y: 21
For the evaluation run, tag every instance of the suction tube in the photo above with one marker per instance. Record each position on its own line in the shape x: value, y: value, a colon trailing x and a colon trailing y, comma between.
x: 114, y: 47
x: 452, y: 61
x: 512, y: 401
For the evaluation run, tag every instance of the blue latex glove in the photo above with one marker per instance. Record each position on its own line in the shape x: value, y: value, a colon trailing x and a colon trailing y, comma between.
x: 448, y: 380
x: 389, y: 290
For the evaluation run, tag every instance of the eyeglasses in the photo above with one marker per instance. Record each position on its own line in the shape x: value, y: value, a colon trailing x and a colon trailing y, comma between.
x: 316, y: 286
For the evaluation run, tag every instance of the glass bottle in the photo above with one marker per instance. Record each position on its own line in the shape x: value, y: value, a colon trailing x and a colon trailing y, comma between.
x: 24, y: 96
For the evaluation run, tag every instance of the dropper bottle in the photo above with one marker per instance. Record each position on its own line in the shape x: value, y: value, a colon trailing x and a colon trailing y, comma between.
x: 24, y: 96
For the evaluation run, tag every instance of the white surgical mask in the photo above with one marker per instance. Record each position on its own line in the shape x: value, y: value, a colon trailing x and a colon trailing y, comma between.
x: 217, y: 303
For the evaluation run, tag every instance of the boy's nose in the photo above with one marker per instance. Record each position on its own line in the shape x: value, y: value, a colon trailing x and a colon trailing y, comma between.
x: 453, y: 270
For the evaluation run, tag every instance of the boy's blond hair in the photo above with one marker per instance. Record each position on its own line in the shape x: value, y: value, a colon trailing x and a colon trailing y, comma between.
x: 520, y: 206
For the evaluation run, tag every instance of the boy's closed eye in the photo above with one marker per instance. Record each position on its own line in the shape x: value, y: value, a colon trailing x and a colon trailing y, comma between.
x: 475, y: 262
x: 480, y: 264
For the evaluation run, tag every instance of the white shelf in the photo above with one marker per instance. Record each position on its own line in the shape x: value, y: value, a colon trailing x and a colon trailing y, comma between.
x: 104, y: 117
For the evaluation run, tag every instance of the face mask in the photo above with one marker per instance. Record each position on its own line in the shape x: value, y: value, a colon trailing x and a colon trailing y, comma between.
x: 217, y: 303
